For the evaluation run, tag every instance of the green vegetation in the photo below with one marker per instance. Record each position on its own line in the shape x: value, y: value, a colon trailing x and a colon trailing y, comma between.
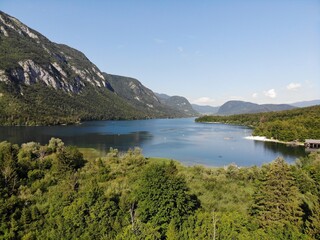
x: 41, y: 105
x: 54, y: 192
x: 297, y: 124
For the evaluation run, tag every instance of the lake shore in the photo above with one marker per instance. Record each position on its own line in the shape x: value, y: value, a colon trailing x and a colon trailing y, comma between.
x: 264, y: 139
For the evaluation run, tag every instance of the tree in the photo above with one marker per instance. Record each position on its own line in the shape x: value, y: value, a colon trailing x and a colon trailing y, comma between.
x: 276, y: 200
x: 8, y: 167
x: 162, y: 196
x: 70, y: 158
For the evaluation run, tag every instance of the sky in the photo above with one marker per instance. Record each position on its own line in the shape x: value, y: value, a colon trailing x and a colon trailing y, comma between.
x: 209, y: 51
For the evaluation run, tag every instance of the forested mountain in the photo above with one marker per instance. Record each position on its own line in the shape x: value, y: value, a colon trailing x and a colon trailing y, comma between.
x: 179, y: 103
x: 290, y: 125
x: 56, y: 192
x: 42, y: 82
x: 240, y: 107
x: 141, y: 97
x: 209, y: 110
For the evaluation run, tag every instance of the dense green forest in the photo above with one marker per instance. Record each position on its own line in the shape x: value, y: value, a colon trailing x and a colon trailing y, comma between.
x: 40, y: 105
x: 297, y: 124
x: 61, y: 192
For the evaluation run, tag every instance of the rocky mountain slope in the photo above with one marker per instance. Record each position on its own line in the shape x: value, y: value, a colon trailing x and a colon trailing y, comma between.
x: 240, y: 107
x: 141, y: 97
x: 42, y: 82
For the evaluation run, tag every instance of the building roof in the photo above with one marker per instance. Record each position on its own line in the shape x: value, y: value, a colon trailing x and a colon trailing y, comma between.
x: 312, y: 141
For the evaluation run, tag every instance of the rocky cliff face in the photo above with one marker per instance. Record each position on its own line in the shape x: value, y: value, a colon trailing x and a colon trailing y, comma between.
x: 132, y: 90
x: 29, y: 58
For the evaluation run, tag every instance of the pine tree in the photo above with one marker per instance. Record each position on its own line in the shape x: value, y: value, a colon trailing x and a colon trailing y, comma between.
x: 276, y: 201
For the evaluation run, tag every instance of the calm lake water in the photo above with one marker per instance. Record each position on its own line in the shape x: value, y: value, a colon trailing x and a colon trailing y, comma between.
x: 182, y: 139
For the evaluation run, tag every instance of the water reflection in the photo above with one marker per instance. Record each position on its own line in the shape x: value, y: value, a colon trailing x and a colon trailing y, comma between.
x: 287, y: 152
x: 104, y: 142
x: 80, y: 136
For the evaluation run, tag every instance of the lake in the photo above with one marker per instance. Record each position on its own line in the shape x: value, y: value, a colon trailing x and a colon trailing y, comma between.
x: 181, y: 139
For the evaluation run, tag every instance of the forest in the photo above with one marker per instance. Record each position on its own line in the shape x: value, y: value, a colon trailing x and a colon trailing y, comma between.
x: 290, y: 125
x: 55, y: 191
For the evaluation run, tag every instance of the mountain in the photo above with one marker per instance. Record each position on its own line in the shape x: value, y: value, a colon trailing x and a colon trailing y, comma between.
x: 44, y: 83
x: 141, y: 97
x: 179, y: 103
x: 162, y: 96
x: 240, y: 107
x: 207, y: 110
x: 306, y: 103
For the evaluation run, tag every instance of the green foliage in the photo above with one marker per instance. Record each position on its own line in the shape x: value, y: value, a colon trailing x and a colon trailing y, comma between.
x: 70, y: 158
x: 290, y: 125
x: 276, y: 200
x: 9, y: 169
x: 41, y: 105
x: 162, y: 196
x: 52, y: 192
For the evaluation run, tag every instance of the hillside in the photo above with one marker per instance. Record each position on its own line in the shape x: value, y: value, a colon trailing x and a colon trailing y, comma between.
x: 43, y: 83
x: 178, y: 103
x: 140, y: 97
x: 296, y: 124
x: 241, y: 107
x: 208, y: 110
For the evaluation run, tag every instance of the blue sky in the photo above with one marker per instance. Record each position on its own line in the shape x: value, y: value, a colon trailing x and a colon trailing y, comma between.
x: 208, y: 51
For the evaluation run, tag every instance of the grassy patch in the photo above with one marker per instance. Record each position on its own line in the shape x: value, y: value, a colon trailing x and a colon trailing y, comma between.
x: 91, y: 154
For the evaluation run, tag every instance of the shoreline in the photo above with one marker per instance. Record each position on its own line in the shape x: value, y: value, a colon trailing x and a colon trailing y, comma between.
x: 261, y: 138
x: 264, y: 139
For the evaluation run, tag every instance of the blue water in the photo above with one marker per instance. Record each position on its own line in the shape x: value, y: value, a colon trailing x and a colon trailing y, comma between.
x: 181, y: 139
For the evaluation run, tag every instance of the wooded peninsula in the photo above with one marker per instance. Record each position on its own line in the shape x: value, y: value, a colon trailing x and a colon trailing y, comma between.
x: 291, y: 125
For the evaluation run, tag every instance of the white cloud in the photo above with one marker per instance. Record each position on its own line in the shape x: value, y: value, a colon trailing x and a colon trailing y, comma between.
x: 180, y: 49
x: 204, y: 101
x: 254, y: 95
x: 270, y: 93
x: 293, y: 86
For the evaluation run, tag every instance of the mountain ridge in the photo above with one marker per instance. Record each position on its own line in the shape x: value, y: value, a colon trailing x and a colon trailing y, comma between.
x: 45, y: 83
x: 306, y: 103
x: 141, y: 97
x: 179, y: 103
x: 240, y: 107
x: 205, y: 109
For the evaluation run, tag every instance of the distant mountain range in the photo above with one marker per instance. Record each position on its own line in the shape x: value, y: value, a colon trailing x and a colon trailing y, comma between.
x: 306, y: 103
x: 240, y: 107
x: 207, y: 110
